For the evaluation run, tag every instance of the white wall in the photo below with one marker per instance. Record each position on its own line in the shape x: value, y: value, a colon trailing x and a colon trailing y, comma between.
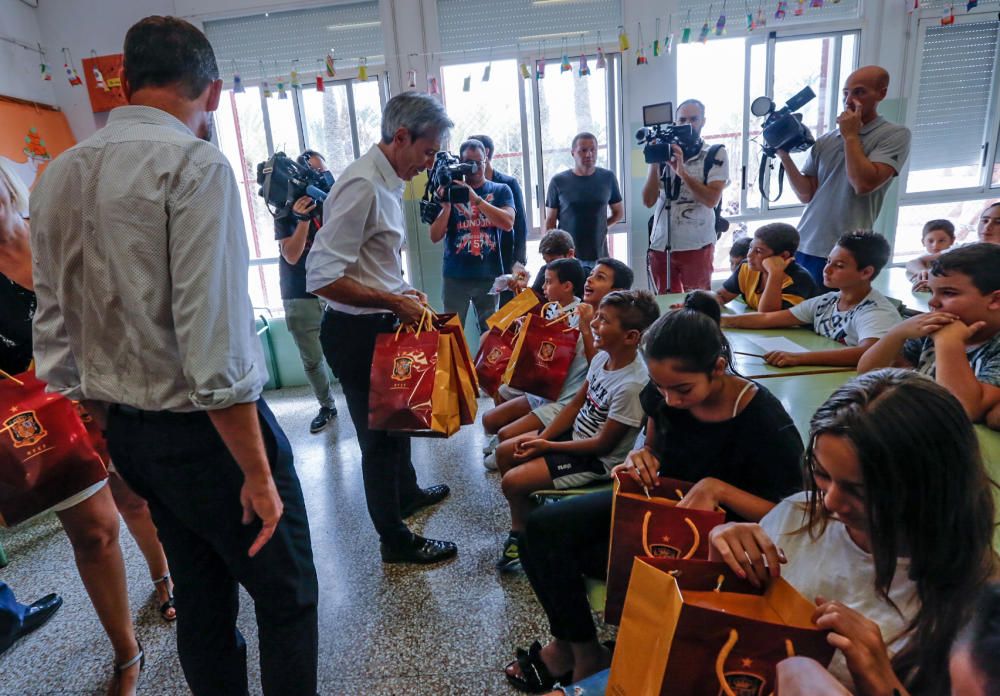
x: 19, y: 72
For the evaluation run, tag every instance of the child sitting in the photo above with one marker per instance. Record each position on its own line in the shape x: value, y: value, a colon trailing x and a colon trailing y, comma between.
x: 938, y: 236
x: 892, y: 537
x: 958, y: 343
x: 988, y: 229
x: 593, y: 432
x: 854, y: 314
x: 528, y: 413
x: 770, y: 279
x: 704, y: 424
x: 555, y: 244
x: 738, y: 253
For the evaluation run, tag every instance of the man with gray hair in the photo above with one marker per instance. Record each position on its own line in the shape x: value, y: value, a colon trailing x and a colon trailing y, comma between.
x: 472, y: 232
x: 356, y: 267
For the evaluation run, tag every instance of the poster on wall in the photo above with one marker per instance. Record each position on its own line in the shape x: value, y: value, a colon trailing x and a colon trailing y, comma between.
x: 31, y: 136
x: 104, y: 82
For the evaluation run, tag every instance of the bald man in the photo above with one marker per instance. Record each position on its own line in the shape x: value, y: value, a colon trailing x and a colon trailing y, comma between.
x: 846, y: 175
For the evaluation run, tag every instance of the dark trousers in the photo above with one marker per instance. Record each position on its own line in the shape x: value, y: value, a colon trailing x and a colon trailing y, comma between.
x: 562, y: 543
x: 348, y: 342
x: 814, y: 265
x: 11, y: 615
x: 178, y: 463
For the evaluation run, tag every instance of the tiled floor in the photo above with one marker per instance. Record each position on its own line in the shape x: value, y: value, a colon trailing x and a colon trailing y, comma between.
x: 383, y: 629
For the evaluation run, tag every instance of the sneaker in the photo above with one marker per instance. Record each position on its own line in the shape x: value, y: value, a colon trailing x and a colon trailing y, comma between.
x: 511, y: 556
x: 491, y: 444
x: 490, y: 461
x: 323, y: 419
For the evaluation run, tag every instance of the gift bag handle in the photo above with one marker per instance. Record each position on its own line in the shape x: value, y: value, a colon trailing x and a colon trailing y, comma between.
x: 12, y: 378
x: 720, y: 660
x: 426, y: 320
x: 687, y: 521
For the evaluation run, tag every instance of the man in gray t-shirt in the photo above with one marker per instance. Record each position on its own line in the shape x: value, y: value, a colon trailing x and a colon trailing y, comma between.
x: 846, y: 175
x: 578, y: 200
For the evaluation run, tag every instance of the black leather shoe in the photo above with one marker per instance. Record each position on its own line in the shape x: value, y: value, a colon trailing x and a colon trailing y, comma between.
x: 432, y: 496
x: 322, y: 419
x: 421, y: 551
x: 38, y: 613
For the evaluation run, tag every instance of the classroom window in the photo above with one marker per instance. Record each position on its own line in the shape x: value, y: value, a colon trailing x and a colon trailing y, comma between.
x: 963, y: 214
x: 954, y: 115
x: 737, y: 71
x: 341, y: 123
x: 532, y: 133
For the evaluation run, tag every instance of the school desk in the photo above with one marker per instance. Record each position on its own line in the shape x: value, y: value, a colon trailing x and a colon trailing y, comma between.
x: 893, y: 283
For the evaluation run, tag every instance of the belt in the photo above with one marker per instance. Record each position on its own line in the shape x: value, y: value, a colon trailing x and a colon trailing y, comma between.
x: 156, y: 416
x: 381, y: 318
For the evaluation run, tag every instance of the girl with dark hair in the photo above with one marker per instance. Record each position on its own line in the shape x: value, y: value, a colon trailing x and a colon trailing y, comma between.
x: 704, y: 424
x: 892, y: 536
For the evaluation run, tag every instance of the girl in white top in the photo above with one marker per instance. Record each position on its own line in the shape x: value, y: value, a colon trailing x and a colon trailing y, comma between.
x: 892, y: 537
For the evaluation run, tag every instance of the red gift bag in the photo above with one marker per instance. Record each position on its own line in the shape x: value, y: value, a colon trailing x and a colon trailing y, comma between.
x: 412, y: 389
x: 542, y: 356
x: 692, y: 628
x: 45, y: 453
x: 652, y: 526
x: 493, y: 357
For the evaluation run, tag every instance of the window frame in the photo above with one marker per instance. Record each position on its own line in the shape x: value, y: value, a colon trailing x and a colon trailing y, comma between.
x: 919, y: 23
x: 532, y: 158
x: 258, y: 264
x: 768, y: 211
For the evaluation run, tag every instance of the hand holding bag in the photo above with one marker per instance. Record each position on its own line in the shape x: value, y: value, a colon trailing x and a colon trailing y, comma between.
x: 693, y: 628
x: 412, y: 388
x: 653, y: 526
x: 542, y: 356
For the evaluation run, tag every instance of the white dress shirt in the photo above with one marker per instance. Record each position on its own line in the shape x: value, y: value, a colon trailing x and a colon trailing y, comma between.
x: 363, y: 232
x: 140, y: 267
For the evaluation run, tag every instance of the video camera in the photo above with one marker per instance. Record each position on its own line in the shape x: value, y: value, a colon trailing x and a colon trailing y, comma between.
x: 446, y: 170
x: 782, y: 129
x: 284, y: 180
x: 660, y: 135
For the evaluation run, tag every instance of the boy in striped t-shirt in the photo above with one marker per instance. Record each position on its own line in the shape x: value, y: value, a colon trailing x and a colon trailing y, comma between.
x: 596, y: 429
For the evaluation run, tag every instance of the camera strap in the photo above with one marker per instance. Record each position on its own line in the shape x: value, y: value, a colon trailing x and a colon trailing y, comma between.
x: 760, y: 179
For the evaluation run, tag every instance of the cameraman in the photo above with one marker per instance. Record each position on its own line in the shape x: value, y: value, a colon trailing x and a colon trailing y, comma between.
x: 692, y: 233
x: 692, y: 215
x: 845, y: 177
x: 295, y: 228
x: 472, y: 233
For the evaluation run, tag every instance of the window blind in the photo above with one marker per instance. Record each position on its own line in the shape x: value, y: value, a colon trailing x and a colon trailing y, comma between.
x: 476, y: 26
x: 953, y: 95
x: 694, y: 14
x: 242, y: 44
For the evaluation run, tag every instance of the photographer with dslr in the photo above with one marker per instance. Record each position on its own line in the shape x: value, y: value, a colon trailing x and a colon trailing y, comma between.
x: 295, y: 228
x: 845, y: 177
x: 702, y: 172
x: 472, y: 232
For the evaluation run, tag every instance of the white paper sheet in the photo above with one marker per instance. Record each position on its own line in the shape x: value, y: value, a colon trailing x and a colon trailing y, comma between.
x: 771, y: 343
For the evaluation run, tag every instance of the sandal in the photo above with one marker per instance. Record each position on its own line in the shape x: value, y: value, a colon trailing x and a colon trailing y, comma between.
x: 139, y: 659
x: 535, y: 677
x: 169, y: 604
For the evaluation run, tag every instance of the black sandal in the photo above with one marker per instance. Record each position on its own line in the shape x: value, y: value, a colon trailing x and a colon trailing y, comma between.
x: 535, y: 677
x: 169, y: 604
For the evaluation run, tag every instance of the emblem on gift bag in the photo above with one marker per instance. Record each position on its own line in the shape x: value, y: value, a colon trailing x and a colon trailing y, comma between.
x: 494, y: 356
x: 401, y: 369
x: 24, y: 429
x: 546, y: 351
x: 744, y: 684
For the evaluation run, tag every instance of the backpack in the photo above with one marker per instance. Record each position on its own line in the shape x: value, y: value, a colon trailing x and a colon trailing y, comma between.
x: 721, y: 223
